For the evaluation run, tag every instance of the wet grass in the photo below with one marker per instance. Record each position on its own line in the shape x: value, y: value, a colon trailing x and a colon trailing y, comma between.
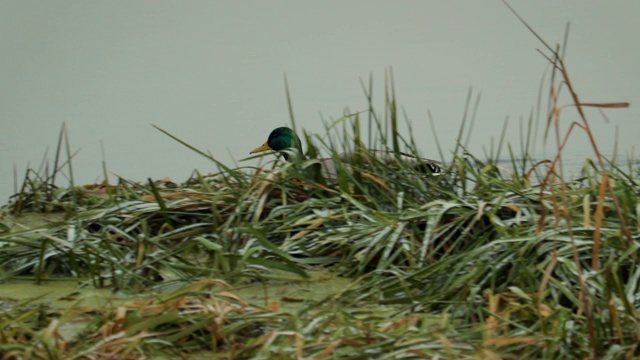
x: 481, y: 262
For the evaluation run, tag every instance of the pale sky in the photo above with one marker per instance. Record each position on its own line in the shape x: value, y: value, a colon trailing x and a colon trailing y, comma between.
x: 211, y: 73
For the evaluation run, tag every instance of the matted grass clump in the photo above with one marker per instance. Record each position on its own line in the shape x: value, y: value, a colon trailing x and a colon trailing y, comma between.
x: 484, y: 261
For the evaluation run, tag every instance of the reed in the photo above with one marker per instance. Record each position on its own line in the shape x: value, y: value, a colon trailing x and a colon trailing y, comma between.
x: 482, y: 261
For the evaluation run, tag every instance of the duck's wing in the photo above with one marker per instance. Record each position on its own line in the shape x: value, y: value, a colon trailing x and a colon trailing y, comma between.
x: 422, y: 165
x: 328, y: 167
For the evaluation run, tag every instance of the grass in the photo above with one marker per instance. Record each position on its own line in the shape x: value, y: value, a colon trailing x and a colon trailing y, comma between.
x: 478, y: 263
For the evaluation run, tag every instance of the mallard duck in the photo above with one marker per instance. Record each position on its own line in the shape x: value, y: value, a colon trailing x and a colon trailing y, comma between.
x: 286, y: 142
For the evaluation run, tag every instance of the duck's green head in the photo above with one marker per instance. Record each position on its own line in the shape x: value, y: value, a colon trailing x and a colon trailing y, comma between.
x: 282, y: 140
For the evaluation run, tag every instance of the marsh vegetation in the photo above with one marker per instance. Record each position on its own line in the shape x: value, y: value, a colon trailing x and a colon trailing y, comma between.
x: 483, y: 261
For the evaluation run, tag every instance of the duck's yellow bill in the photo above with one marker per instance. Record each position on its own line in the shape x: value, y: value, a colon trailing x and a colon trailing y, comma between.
x: 261, y: 148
